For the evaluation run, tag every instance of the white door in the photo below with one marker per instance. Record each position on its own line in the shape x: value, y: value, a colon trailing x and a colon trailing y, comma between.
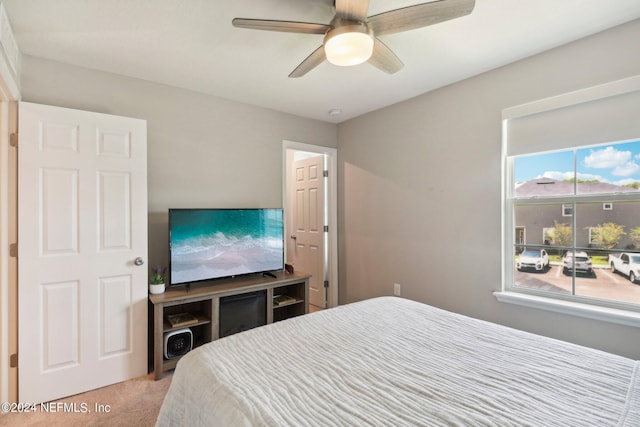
x: 308, y: 225
x: 82, y: 222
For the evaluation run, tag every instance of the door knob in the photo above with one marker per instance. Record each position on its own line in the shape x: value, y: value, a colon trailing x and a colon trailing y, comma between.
x: 294, y: 237
x: 138, y: 261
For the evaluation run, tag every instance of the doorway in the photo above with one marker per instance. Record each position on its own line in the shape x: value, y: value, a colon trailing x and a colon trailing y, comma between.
x: 9, y: 94
x: 304, y: 248
x: 520, y: 236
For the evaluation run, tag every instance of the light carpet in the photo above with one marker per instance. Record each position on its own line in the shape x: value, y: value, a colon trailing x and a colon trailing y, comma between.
x: 131, y: 403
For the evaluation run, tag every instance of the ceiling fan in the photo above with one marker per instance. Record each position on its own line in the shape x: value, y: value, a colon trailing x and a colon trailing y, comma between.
x: 351, y: 37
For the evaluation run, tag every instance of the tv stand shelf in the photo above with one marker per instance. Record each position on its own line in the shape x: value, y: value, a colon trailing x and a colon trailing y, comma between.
x: 202, y: 300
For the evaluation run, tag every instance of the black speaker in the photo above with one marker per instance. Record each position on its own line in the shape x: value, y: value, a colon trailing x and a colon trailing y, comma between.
x: 177, y: 343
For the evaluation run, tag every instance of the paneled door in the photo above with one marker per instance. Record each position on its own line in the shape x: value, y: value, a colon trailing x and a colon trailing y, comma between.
x: 82, y: 242
x: 308, y: 223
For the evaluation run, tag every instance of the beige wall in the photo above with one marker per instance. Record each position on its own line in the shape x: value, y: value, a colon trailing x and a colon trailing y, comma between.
x: 203, y: 151
x: 433, y: 222
x: 419, y: 189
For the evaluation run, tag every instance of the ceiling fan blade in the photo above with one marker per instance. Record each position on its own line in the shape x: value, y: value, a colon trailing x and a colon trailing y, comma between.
x: 284, y: 26
x: 354, y: 10
x: 384, y: 59
x: 312, y: 61
x: 420, y: 15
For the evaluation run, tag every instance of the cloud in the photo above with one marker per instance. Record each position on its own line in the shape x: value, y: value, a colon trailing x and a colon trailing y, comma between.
x: 607, y: 158
x: 626, y: 169
x: 561, y: 176
x: 621, y: 162
x: 590, y: 177
x: 625, y: 181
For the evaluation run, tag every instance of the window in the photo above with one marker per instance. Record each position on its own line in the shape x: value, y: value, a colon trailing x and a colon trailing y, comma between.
x: 567, y: 161
x: 560, y: 193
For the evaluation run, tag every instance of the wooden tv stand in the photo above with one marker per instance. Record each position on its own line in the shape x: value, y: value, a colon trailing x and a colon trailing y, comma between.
x: 203, y: 301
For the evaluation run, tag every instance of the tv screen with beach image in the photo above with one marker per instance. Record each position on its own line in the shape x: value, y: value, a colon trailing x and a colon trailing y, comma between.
x: 214, y: 243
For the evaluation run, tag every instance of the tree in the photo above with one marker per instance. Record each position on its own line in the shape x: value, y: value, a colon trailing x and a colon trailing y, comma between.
x: 635, y: 236
x: 583, y: 181
x: 635, y: 185
x: 607, y: 235
x: 561, y: 234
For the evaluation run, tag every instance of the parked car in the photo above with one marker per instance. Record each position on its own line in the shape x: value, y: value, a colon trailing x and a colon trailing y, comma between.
x: 533, y: 259
x: 582, y: 263
x: 627, y: 264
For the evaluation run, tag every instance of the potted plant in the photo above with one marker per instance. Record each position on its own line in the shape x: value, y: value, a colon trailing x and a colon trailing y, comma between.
x: 156, y: 281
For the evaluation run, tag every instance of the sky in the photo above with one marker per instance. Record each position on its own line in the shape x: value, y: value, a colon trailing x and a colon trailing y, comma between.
x: 613, y: 163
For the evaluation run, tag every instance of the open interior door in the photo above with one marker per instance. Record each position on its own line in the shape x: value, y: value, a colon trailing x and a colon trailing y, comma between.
x: 82, y: 236
x: 309, y: 225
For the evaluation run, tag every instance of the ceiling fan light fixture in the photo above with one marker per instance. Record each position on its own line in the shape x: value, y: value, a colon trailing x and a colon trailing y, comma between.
x: 348, y: 45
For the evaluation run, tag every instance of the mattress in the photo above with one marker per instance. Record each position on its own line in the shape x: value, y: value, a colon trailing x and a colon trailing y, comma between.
x: 392, y: 361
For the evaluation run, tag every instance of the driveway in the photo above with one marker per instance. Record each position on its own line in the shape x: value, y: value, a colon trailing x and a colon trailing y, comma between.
x: 602, y: 284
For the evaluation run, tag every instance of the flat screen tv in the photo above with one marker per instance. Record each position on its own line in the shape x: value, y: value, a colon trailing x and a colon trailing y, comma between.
x: 215, y: 243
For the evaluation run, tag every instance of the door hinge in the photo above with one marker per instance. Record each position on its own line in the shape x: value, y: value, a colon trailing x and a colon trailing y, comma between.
x: 13, y: 360
x: 13, y: 250
x: 325, y: 174
x: 326, y: 283
x: 326, y: 228
x: 13, y: 139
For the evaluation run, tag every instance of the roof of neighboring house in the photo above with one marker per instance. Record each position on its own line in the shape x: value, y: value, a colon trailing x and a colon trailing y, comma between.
x: 554, y: 187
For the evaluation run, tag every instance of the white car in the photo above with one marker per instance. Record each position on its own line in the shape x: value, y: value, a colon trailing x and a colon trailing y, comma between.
x: 582, y: 263
x: 627, y: 264
x: 533, y: 259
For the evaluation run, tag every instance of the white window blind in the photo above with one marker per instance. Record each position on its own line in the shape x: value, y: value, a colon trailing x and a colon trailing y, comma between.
x: 595, y: 115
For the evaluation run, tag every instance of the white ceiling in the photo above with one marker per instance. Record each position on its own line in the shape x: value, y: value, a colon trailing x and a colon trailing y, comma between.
x: 191, y: 44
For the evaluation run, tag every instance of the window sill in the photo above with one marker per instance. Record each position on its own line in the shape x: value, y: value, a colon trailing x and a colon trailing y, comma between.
x: 605, y: 314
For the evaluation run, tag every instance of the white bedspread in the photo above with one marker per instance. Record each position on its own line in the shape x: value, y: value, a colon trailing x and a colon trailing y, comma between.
x: 390, y: 362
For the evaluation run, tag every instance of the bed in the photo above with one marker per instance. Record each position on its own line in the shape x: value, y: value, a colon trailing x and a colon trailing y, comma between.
x: 392, y: 361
